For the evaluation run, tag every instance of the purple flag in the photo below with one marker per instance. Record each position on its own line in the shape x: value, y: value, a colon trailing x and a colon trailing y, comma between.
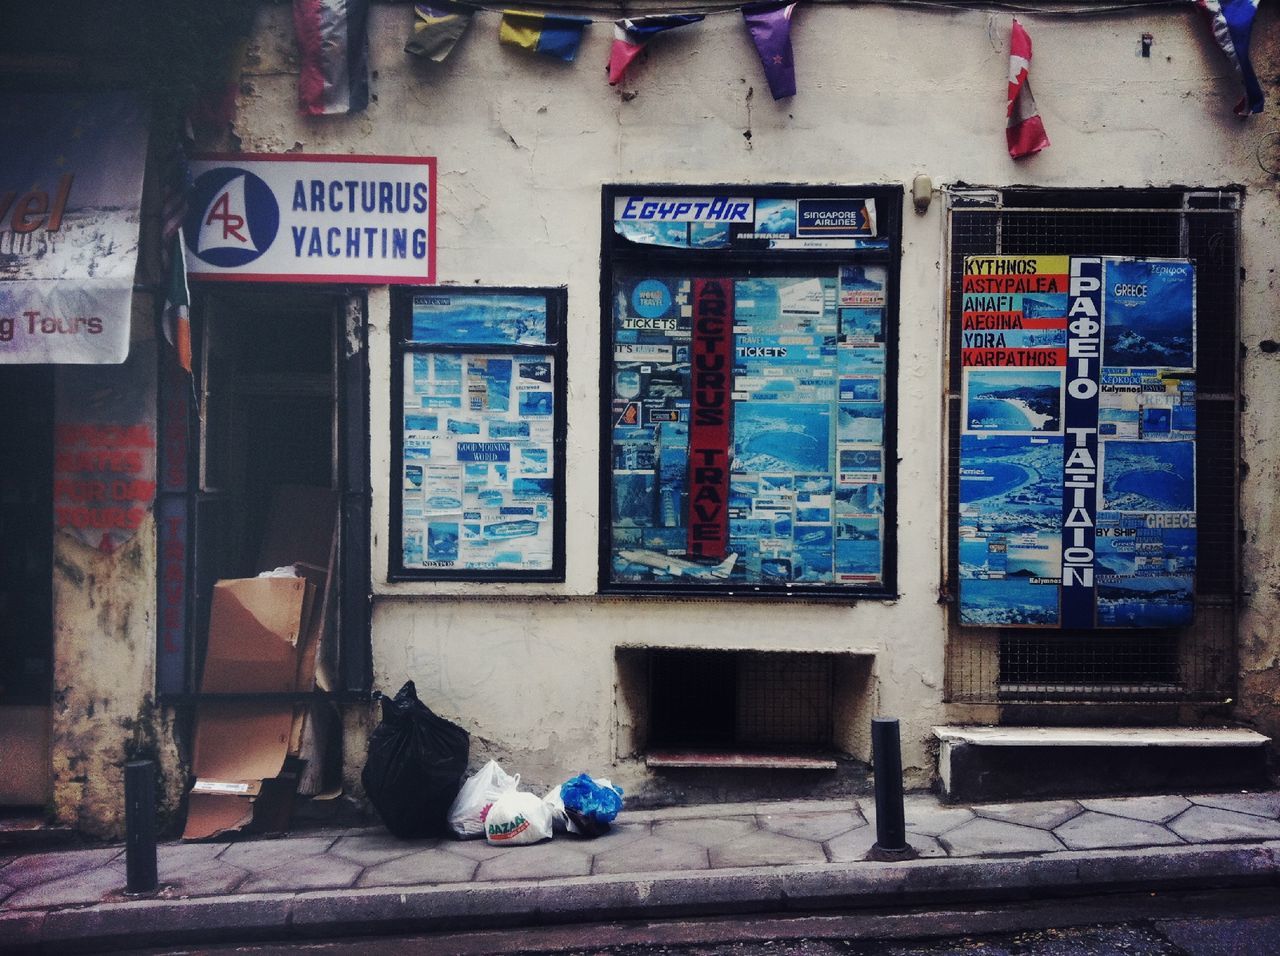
x: 770, y: 26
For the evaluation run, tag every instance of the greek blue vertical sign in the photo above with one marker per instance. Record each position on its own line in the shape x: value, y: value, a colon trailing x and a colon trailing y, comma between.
x: 1080, y: 448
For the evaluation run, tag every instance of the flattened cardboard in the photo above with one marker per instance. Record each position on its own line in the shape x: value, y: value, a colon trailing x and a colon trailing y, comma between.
x: 254, y: 626
x: 265, y: 636
x: 316, y: 632
x: 241, y: 741
x: 210, y: 815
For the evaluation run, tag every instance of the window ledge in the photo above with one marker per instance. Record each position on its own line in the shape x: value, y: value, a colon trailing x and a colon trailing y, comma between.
x: 737, y: 760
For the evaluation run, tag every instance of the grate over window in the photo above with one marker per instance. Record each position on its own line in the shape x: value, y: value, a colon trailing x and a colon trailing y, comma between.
x: 730, y: 700
x: 1193, y: 663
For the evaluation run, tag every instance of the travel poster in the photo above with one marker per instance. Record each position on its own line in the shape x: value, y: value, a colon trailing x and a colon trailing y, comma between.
x: 1077, y: 447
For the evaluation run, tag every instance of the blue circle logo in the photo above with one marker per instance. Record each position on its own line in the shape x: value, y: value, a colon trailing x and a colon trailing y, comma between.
x: 651, y: 299
x: 233, y: 218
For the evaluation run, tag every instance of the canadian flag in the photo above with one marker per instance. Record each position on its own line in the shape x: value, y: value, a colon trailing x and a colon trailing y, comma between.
x: 1025, y: 131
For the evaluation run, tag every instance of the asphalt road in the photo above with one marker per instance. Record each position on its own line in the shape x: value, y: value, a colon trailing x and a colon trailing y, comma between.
x: 1216, y: 923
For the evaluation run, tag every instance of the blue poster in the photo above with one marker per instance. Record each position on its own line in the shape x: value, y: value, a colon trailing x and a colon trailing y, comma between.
x: 805, y: 431
x: 1010, y: 508
x: 781, y: 437
x: 448, y: 317
x: 478, y: 469
x: 1149, y: 476
x: 1150, y: 314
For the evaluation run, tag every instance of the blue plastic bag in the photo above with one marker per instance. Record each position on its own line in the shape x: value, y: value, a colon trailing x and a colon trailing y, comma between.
x: 590, y: 805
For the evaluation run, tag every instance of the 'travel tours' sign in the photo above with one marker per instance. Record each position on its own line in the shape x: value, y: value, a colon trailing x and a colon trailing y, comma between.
x: 69, y: 220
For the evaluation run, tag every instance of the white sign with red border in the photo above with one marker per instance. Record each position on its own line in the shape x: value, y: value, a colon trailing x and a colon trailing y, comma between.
x: 258, y: 217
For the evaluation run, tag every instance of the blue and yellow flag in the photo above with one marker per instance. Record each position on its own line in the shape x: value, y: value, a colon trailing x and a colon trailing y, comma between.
x: 550, y: 34
x: 437, y: 27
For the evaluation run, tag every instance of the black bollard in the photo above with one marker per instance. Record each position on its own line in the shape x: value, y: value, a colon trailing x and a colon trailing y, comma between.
x: 140, y: 826
x: 886, y: 758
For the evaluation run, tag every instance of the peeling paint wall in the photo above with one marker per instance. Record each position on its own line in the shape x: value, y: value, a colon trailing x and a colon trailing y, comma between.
x: 524, y: 144
x: 103, y: 709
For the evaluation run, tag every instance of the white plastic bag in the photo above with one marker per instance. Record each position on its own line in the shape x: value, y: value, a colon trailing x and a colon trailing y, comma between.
x: 560, y: 821
x: 467, y: 813
x: 517, y: 818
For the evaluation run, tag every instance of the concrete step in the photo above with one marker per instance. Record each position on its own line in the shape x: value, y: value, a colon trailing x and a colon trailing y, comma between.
x: 1024, y: 763
x: 28, y: 831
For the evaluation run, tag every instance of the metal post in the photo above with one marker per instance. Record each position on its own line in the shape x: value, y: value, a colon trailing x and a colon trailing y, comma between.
x: 140, y: 826
x: 886, y: 758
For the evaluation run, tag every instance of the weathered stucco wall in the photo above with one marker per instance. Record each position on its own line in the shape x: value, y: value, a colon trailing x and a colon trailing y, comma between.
x: 103, y: 707
x: 524, y: 144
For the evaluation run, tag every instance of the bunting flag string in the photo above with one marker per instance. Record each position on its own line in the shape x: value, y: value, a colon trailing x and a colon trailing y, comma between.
x: 333, y: 48
x: 1025, y: 130
x: 1232, y: 25
x: 770, y: 28
x: 333, y: 44
x: 437, y: 28
x: 549, y: 34
x: 631, y: 36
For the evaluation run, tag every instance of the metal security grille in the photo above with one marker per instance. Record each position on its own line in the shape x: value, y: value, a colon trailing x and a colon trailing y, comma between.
x: 1195, y: 663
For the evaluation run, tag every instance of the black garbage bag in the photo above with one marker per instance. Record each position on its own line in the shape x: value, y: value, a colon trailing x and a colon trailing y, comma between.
x: 415, y: 766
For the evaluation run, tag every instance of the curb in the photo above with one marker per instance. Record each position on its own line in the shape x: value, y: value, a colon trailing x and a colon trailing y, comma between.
x: 476, y: 906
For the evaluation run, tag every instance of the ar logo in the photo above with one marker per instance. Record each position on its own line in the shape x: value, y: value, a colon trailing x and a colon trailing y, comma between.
x: 233, y: 218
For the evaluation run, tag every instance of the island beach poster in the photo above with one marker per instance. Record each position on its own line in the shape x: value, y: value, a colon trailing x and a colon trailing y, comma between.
x: 1010, y: 530
x: 1021, y: 400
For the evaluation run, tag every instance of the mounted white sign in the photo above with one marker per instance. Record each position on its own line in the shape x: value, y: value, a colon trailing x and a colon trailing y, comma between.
x: 305, y: 218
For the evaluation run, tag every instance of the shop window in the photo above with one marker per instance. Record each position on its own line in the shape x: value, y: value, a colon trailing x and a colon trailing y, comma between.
x: 747, y: 390
x: 478, y: 422
x: 1093, y: 408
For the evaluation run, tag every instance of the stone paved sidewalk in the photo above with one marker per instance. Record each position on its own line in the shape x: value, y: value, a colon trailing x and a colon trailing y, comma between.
x: 708, y: 851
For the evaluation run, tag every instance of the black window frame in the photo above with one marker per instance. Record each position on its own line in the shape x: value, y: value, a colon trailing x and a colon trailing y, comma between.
x: 403, y: 344
x: 619, y: 255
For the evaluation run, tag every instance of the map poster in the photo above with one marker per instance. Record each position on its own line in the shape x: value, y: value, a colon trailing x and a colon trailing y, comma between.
x: 1077, y: 446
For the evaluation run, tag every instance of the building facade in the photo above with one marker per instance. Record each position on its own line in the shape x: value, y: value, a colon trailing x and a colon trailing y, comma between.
x: 594, y: 639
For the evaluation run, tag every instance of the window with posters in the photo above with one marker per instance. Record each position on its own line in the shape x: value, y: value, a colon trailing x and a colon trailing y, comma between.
x: 1094, y: 474
x: 747, y: 390
x: 478, y: 393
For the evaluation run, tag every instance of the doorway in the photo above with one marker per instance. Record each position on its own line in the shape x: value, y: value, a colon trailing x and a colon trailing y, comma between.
x: 281, y: 383
x: 26, y: 582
